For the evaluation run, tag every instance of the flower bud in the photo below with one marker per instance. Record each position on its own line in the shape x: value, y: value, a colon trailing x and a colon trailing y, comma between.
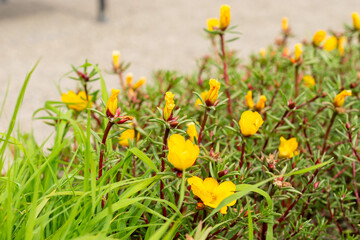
x: 316, y: 185
x: 223, y: 173
x: 225, y: 16
x: 112, y: 103
x: 298, y: 51
x: 291, y: 104
x: 330, y: 44
x: 124, y: 119
x: 356, y: 20
x: 340, y: 98
x: 129, y: 79
x: 309, y: 81
x: 348, y: 126
x: 116, y: 59
x: 139, y: 83
x: 249, y: 100
x: 213, y: 92
x: 318, y: 37
x: 341, y: 45
x: 212, y: 23
x: 191, y: 131
x: 169, y: 106
x: 261, y: 104
x: 285, y: 24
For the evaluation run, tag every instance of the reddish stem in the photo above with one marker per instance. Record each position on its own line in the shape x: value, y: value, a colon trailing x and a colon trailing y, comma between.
x: 242, y: 154
x: 282, y: 218
x: 328, y: 132
x: 103, y: 142
x: 226, y: 77
x: 203, y: 126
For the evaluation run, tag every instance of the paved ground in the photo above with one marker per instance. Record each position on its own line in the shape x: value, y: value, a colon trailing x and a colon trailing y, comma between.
x: 150, y: 34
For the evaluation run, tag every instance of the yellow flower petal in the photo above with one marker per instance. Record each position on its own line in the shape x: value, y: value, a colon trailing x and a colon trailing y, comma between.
x: 225, y: 16
x: 250, y: 122
x: 330, y: 44
x: 182, y: 154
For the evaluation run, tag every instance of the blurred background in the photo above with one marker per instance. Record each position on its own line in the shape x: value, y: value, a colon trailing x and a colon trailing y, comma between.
x: 157, y: 34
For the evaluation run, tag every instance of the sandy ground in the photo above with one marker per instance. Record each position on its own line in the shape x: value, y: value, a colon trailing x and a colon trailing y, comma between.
x: 151, y: 35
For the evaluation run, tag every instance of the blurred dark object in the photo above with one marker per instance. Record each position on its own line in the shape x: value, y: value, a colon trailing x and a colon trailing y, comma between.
x: 101, y: 12
x: 101, y: 16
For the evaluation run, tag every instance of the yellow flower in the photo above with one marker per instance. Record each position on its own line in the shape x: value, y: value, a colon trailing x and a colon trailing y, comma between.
x: 261, y: 103
x: 116, y: 59
x: 298, y: 51
x: 285, y: 24
x: 318, y: 37
x: 224, y: 16
x: 203, y: 96
x: 211, y: 193
x: 127, y: 135
x: 249, y: 100
x: 75, y: 101
x: 356, y: 20
x: 169, y: 106
x: 129, y: 79
x: 341, y: 47
x: 287, y: 148
x: 340, y: 98
x: 330, y: 44
x: 191, y: 131
x: 262, y: 52
x: 213, y: 92
x: 139, y: 83
x: 112, y: 103
x: 212, y: 23
x: 182, y: 154
x: 250, y: 122
x: 309, y: 81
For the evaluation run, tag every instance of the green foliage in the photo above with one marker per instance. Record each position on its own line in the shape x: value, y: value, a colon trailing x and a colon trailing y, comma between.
x: 58, y: 193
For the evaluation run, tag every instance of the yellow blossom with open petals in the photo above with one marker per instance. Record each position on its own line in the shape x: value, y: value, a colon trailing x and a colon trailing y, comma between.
x: 225, y: 16
x: 285, y: 24
x: 191, y: 131
x: 129, y: 79
x: 139, y: 83
x: 213, y: 93
x: 127, y: 135
x: 203, y: 97
x: 356, y: 20
x: 340, y: 98
x: 261, y: 103
x: 182, y: 154
x: 318, y: 37
x: 250, y: 122
x: 330, y: 44
x: 287, y: 148
x: 212, y: 23
x: 309, y: 81
x: 211, y: 192
x: 341, y: 47
x: 298, y: 51
x: 116, y: 59
x: 112, y: 103
x: 169, y: 106
x: 249, y: 100
x: 75, y: 101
